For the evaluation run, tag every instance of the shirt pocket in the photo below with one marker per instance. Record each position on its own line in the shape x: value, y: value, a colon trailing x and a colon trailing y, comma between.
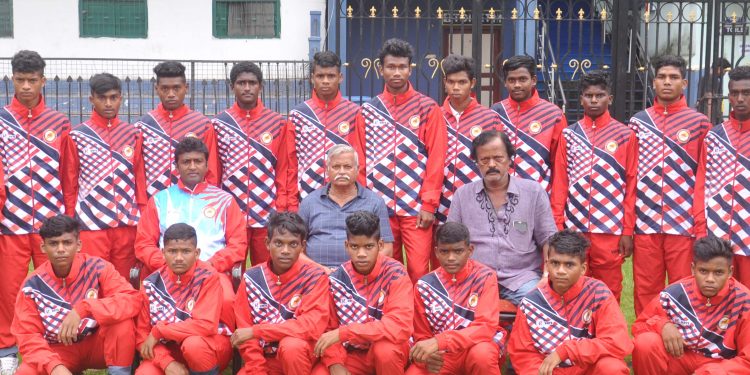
x: 519, y: 234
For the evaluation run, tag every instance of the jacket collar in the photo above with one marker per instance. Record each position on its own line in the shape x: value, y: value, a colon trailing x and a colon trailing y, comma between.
x: 185, y: 277
x: 372, y: 275
x: 460, y: 276
x: 528, y: 103
x: 199, y: 188
x: 740, y: 126
x: 75, y: 269
x: 448, y: 108
x: 99, y: 121
x: 21, y: 109
x: 571, y: 293
x: 671, y: 108
x: 399, y: 99
x: 599, y: 123
x: 718, y: 298
x: 326, y: 105
x: 251, y: 114
x: 287, y: 276
x: 176, y: 114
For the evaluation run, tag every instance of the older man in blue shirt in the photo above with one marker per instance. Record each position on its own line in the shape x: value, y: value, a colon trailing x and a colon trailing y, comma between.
x: 325, y: 210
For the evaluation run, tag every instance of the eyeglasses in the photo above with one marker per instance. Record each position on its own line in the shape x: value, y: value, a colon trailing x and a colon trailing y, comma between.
x: 496, y: 159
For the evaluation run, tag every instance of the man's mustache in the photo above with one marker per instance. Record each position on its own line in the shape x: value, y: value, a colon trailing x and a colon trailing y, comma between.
x: 493, y: 170
x: 343, y: 176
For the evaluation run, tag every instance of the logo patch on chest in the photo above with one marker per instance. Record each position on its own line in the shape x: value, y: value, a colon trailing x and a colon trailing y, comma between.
x: 294, y: 302
x: 209, y: 212
x: 344, y: 128
x: 587, y: 316
x: 414, y: 122
x: 92, y: 293
x: 724, y: 323
x: 266, y: 138
x: 611, y: 147
x: 475, y: 131
x: 128, y: 151
x: 473, y: 300
x: 683, y: 135
x: 190, y: 304
x: 50, y: 136
x: 535, y: 127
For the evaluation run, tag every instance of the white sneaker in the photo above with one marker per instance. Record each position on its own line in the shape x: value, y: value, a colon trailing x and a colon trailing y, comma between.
x: 8, y: 365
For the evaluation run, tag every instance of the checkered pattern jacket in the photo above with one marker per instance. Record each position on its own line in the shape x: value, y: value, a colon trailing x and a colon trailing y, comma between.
x: 30, y: 181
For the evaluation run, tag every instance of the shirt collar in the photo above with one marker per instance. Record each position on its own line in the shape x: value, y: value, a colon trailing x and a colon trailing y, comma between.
x: 740, y: 126
x: 512, y: 186
x: 600, y: 122
x: 461, y: 275
x: 176, y: 114
x: 399, y: 99
x: 21, y: 109
x: 327, y: 105
x: 99, y: 121
x: 251, y: 114
x: 671, y: 108
x: 327, y: 188
x: 199, y: 187
x: 528, y: 103
x: 185, y: 277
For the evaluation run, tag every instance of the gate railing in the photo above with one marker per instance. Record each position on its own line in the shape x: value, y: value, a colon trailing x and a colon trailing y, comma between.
x: 555, y: 90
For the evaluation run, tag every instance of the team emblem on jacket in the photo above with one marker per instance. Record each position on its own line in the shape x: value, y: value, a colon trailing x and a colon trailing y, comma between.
x: 92, y: 293
x: 294, y: 302
x: 414, y: 121
x: 587, y: 316
x: 50, y: 136
x: 266, y: 138
x: 611, y: 147
x: 535, y: 127
x: 209, y: 212
x: 475, y: 131
x: 473, y: 300
x: 724, y: 323
x: 683, y: 135
x: 190, y: 305
x: 344, y: 128
x: 381, y: 297
x: 128, y: 152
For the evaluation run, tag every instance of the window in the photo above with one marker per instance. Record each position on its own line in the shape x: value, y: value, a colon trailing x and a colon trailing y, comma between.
x: 247, y: 19
x: 6, y: 18
x: 113, y: 18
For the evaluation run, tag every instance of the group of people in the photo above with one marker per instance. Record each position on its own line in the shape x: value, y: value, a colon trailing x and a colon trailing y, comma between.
x: 481, y: 204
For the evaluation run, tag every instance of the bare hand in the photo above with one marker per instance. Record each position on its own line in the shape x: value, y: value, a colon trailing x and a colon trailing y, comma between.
x: 423, y: 349
x: 241, y: 335
x: 435, y: 362
x: 147, y: 349
x: 68, y: 333
x: 626, y: 246
x: 60, y: 370
x: 549, y: 364
x: 338, y: 369
x: 425, y: 219
x: 673, y: 341
x: 325, y: 341
x: 176, y: 368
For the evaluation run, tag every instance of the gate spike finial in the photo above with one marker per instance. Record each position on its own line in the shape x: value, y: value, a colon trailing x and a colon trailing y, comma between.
x: 581, y: 14
x: 558, y: 14
x: 734, y: 17
x: 395, y: 12
x: 536, y: 13
x: 372, y: 12
x: 670, y: 16
x: 514, y: 14
x: 647, y: 15
x: 349, y: 11
x: 440, y: 12
x: 604, y: 14
x: 417, y: 12
x: 491, y: 13
x: 462, y: 13
x: 693, y: 16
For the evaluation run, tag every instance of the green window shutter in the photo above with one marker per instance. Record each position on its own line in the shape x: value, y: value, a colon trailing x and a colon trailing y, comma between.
x: 247, y: 18
x: 113, y: 18
x: 6, y: 18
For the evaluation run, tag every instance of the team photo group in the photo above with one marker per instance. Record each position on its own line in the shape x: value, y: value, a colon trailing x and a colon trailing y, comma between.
x: 399, y: 236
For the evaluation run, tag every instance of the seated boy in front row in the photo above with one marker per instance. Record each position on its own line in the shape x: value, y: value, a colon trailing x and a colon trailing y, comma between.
x: 178, y: 327
x: 372, y: 307
x: 456, y: 311
x: 282, y: 304
x: 75, y: 311
x: 571, y: 324
x: 700, y: 324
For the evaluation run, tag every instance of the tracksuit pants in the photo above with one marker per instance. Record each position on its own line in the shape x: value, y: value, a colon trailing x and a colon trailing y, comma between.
x: 605, y: 261
x: 256, y: 240
x: 481, y: 359
x: 383, y: 358
x: 655, y: 255
x: 651, y: 358
x: 294, y: 357
x: 417, y: 243
x: 199, y: 354
x: 115, y: 245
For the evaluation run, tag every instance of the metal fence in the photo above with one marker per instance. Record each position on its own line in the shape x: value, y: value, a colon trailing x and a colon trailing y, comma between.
x: 286, y: 83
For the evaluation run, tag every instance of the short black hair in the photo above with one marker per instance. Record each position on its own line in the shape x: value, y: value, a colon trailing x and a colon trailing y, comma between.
x: 179, y: 231
x: 518, y: 62
x: 190, y: 144
x: 739, y: 73
x: 397, y: 48
x: 710, y: 247
x: 287, y: 222
x: 670, y: 60
x: 245, y: 67
x: 26, y: 61
x: 570, y: 242
x: 103, y: 82
x: 452, y: 232
x: 58, y: 225
x: 486, y: 137
x: 363, y: 223
x: 721, y: 63
x: 169, y: 69
x: 454, y: 63
x: 595, y: 78
x: 325, y: 59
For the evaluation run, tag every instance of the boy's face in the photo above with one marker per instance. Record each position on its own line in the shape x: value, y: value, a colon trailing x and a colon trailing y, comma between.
x: 739, y: 98
x: 107, y: 104
x: 520, y: 84
x: 28, y: 86
x: 180, y: 255
x: 284, y: 249
x: 171, y: 92
x: 61, y: 250
x: 458, y: 86
x: 396, y: 72
x: 247, y: 89
x: 564, y: 270
x: 669, y: 83
x: 595, y: 101
x: 711, y: 276
x: 453, y: 256
x: 363, y: 251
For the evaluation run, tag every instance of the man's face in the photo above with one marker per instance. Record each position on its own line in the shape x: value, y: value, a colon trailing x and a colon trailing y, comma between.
x: 493, y: 160
x: 247, y: 89
x: 326, y: 81
x: 180, y: 255
x: 363, y: 251
x: 564, y: 270
x: 396, y: 72
x: 453, y: 256
x: 669, y: 84
x: 28, y: 86
x: 284, y: 249
x: 458, y: 86
x: 739, y: 97
x: 171, y: 91
x: 520, y: 84
x: 107, y: 105
x: 192, y: 167
x: 342, y: 169
x: 595, y: 101
x: 61, y: 250
x: 711, y: 276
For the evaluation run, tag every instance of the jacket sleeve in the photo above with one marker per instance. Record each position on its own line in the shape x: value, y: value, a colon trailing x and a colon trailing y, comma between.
x: 561, y: 124
x: 120, y: 300
x: 309, y: 321
x: 422, y: 329
x: 484, y: 326
x: 3, y: 195
x: 699, y: 199
x: 69, y: 171
x: 611, y: 339
x: 651, y: 319
x: 27, y: 328
x: 139, y: 170
x: 631, y: 181
x: 289, y: 154
x: 281, y: 177
x: 204, y: 320
x: 436, y: 142
x: 147, y: 238
x: 235, y: 236
x: 335, y: 354
x: 214, y: 160
x: 559, y: 196
x: 357, y: 139
x: 162, y: 356
x: 741, y: 362
x: 397, y: 323
x: 525, y: 358
x: 252, y: 353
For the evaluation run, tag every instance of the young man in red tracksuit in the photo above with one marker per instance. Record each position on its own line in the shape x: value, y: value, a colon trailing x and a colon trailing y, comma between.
x: 320, y: 123
x: 401, y: 139
x: 723, y: 180
x: 249, y: 149
x: 372, y: 308
x: 532, y: 124
x: 595, y: 178
x: 162, y: 128
x: 178, y: 328
x: 456, y: 320
x: 670, y: 137
x: 466, y: 120
x: 282, y: 305
x: 30, y: 185
x: 571, y: 324
x: 74, y: 312
x: 698, y: 325
x: 98, y: 177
